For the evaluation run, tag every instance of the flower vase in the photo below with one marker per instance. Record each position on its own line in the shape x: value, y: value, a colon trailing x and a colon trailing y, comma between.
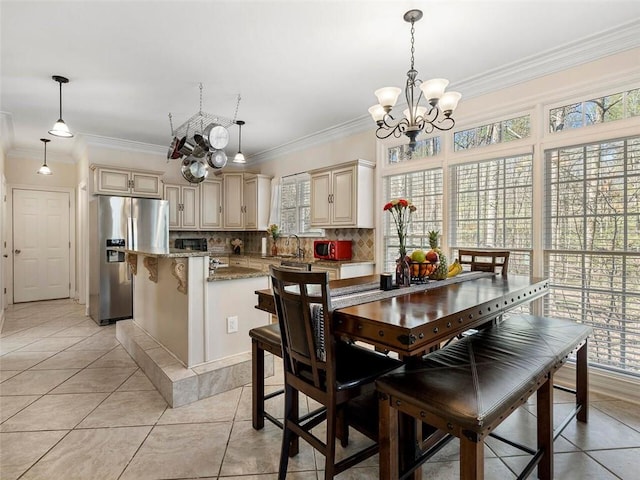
x: 403, y: 272
x: 274, y: 249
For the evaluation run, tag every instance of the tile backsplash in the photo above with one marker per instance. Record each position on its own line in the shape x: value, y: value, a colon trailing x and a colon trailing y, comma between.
x: 220, y: 242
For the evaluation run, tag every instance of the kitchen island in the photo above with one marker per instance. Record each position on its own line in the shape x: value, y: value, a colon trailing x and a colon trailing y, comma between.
x: 190, y: 328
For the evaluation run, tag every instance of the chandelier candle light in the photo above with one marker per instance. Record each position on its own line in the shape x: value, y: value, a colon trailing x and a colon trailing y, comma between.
x: 401, y: 210
x: 418, y: 118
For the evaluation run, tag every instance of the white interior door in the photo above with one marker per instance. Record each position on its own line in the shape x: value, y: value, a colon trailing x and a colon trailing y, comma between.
x: 41, y: 245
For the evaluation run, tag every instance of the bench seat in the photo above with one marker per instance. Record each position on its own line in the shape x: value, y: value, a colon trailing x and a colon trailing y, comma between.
x: 468, y: 388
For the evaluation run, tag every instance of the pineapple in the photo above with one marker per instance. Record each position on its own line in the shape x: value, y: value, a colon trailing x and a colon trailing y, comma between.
x: 441, y: 271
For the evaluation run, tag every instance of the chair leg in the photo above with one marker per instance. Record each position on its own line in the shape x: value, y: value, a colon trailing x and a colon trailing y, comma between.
x: 295, y: 415
x: 545, y: 429
x: 257, y: 385
x: 289, y: 415
x: 342, y: 428
x: 330, y: 454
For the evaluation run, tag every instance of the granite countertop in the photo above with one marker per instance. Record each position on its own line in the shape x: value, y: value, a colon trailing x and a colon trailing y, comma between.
x: 315, y: 261
x: 173, y: 253
x: 235, y: 273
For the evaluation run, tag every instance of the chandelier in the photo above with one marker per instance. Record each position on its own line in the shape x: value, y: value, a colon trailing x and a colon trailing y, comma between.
x: 417, y: 118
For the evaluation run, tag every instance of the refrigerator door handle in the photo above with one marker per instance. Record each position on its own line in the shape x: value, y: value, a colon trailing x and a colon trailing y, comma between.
x: 132, y: 233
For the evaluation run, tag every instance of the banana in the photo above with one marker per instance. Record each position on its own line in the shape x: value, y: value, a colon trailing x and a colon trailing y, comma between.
x: 454, y: 269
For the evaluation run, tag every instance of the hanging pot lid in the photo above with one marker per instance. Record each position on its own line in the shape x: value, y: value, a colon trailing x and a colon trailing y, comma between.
x: 218, y: 137
x: 217, y: 159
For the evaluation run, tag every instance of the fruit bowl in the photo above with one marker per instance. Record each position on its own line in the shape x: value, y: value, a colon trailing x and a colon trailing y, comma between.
x: 420, y: 271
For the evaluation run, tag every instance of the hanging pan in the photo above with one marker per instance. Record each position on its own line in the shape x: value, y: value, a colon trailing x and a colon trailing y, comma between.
x: 174, y: 149
x: 217, y: 158
x: 194, y: 170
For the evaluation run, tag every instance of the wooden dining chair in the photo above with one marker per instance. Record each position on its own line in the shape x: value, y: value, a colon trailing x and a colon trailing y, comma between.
x: 334, y: 373
x: 485, y: 260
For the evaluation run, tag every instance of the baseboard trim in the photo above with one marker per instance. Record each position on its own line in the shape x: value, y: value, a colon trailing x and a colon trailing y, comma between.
x: 612, y: 384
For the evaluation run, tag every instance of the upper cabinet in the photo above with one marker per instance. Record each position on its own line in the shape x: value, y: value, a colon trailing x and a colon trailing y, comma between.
x: 257, y: 201
x: 342, y: 195
x: 184, y: 205
x: 211, y: 204
x: 233, y: 207
x: 116, y: 181
x: 246, y: 201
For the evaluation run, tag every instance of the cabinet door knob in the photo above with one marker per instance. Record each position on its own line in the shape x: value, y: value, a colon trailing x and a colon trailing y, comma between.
x: 17, y: 252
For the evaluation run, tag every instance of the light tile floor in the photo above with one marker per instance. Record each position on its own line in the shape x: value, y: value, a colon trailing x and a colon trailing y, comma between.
x: 74, y: 405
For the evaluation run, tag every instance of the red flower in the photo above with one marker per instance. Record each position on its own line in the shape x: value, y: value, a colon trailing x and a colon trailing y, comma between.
x: 388, y: 206
x: 403, y: 202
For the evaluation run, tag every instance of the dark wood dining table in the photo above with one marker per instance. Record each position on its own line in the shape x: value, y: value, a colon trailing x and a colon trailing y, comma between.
x: 412, y: 322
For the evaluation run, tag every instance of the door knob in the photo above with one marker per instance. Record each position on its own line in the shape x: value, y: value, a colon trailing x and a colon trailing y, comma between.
x: 5, y: 255
x: 17, y: 251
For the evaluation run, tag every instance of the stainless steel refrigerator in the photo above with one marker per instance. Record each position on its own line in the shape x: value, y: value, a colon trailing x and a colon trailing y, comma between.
x: 116, y: 223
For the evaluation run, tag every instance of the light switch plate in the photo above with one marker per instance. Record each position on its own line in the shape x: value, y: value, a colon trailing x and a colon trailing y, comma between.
x: 232, y: 324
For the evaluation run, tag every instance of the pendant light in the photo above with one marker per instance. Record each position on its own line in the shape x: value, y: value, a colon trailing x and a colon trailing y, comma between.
x: 44, y: 169
x: 239, y: 158
x: 60, y: 128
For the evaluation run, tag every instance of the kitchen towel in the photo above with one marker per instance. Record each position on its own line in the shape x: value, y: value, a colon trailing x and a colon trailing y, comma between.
x: 264, y: 246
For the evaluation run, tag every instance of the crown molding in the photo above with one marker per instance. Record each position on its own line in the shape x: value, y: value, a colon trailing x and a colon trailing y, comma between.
x: 584, y: 50
x: 38, y: 154
x: 121, y: 144
x: 588, y: 49
x: 330, y: 134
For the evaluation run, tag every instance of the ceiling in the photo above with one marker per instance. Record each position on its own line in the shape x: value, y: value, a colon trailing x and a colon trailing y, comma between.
x: 301, y: 67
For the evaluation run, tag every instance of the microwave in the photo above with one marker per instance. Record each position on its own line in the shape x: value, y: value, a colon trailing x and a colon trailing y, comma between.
x: 332, y: 249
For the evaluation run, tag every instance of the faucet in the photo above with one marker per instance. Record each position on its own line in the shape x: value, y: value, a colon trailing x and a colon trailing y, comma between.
x: 299, y: 251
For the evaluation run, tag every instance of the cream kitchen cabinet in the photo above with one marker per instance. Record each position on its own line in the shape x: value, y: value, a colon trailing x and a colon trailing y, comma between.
x: 233, y: 206
x: 257, y: 202
x: 211, y: 205
x: 247, y: 199
x: 184, y: 206
x: 115, y: 181
x: 342, y: 196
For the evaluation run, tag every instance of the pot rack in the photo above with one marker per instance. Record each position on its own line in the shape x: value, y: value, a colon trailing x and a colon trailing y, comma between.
x: 199, y: 121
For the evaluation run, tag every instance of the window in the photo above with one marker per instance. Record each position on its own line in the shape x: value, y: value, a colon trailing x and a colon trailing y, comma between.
x: 428, y: 147
x: 492, y: 133
x: 424, y: 189
x: 491, y: 207
x: 594, y: 111
x: 295, y: 205
x: 592, y: 246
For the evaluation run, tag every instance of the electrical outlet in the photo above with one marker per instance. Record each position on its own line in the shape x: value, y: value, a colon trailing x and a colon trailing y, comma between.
x: 232, y: 324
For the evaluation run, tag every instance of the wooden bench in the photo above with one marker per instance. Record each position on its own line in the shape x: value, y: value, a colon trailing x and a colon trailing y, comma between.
x: 468, y: 388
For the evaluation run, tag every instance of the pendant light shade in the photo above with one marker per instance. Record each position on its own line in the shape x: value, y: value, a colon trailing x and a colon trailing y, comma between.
x: 60, y: 128
x: 44, y: 169
x: 239, y: 158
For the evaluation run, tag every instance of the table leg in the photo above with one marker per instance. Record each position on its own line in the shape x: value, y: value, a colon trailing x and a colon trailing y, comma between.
x: 582, y: 383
